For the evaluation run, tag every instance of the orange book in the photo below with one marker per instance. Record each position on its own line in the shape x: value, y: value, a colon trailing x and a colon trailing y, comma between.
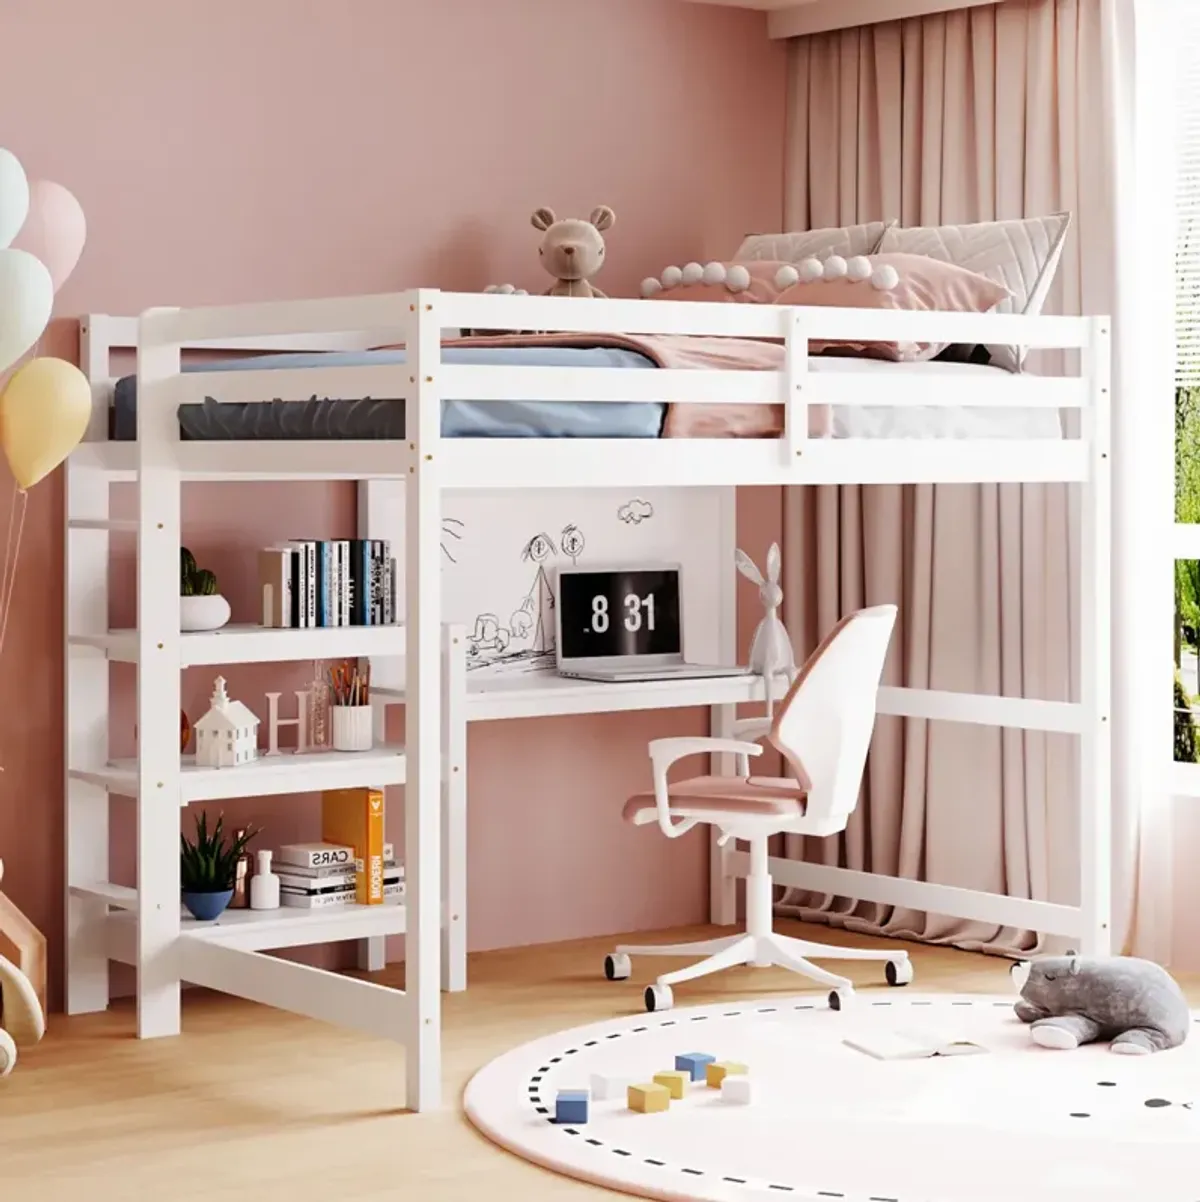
x: 354, y: 818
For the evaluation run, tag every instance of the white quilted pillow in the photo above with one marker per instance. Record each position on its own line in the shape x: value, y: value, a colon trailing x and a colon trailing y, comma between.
x: 1022, y: 255
x: 798, y: 245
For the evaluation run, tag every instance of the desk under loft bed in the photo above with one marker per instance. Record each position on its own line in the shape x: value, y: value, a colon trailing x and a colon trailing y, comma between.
x: 496, y: 417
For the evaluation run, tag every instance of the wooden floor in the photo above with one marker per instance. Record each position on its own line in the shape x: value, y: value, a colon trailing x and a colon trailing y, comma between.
x: 251, y: 1104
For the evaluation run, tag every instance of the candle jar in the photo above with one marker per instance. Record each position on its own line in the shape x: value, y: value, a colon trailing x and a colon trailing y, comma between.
x: 320, y: 733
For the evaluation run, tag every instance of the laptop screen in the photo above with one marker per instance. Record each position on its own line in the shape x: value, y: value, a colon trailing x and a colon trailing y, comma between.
x: 606, y: 614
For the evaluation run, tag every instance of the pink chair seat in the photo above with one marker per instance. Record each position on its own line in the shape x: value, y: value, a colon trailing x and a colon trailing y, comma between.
x: 756, y: 796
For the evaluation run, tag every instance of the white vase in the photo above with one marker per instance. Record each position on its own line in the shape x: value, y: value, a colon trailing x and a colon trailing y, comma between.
x: 209, y: 612
x: 264, y: 884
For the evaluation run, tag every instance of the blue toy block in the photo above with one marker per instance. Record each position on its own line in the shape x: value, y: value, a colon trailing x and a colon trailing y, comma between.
x: 571, y: 1106
x: 693, y: 1063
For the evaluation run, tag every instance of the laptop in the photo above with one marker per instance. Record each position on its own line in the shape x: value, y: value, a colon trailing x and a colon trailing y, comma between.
x: 624, y: 624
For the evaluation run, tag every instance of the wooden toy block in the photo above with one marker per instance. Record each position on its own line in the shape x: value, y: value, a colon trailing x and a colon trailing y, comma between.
x: 737, y: 1090
x: 716, y: 1072
x: 648, y: 1099
x: 675, y: 1082
x: 571, y: 1106
x: 694, y: 1063
x: 605, y: 1087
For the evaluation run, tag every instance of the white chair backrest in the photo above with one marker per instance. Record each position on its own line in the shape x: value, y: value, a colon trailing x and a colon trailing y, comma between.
x: 823, y: 726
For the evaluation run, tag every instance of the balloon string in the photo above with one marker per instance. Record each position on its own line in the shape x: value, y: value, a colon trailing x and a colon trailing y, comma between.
x: 11, y: 554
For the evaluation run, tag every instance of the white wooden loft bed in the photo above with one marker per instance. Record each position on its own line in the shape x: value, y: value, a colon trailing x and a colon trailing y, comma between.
x: 431, y: 465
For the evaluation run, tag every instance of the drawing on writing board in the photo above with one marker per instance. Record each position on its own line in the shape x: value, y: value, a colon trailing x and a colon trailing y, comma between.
x: 636, y: 511
x: 528, y: 640
x: 488, y: 636
x: 572, y: 543
x: 452, y: 529
x: 540, y: 596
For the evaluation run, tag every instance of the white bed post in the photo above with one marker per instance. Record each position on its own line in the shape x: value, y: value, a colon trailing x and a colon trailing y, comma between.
x: 86, y: 685
x: 423, y: 701
x: 1095, y: 663
x: 86, y: 833
x: 722, y: 879
x: 454, y: 811
x: 158, y: 695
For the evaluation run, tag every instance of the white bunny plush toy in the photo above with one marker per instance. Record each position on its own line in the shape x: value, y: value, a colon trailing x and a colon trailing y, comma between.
x: 771, y: 654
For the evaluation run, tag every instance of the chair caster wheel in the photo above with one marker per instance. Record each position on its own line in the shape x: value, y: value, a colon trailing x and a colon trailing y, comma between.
x: 840, y: 999
x: 899, y: 972
x: 617, y: 967
x: 658, y: 997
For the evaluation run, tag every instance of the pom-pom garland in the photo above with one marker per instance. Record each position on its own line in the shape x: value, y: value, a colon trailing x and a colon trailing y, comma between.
x: 506, y: 290
x: 736, y: 278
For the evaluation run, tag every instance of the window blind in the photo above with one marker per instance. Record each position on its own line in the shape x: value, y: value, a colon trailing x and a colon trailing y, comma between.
x: 1187, y: 248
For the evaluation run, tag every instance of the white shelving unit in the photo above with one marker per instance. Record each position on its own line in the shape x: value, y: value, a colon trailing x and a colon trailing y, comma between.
x: 146, y: 927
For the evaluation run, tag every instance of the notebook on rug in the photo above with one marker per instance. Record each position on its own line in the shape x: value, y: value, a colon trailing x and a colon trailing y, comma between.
x: 913, y: 1044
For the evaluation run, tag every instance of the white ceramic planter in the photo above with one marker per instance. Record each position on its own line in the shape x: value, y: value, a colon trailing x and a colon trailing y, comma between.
x: 203, y: 613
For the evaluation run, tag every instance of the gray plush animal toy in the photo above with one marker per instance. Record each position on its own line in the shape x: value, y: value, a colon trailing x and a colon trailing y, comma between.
x: 1069, y: 1000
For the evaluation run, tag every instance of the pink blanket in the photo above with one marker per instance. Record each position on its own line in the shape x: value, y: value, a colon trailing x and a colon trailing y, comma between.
x: 685, y: 351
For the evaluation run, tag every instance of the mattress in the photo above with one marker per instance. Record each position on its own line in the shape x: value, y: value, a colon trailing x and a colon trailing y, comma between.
x: 376, y: 418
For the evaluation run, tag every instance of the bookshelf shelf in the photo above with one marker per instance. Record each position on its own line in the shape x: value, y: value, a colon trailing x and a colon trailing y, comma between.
x: 258, y: 930
x: 252, y: 644
x: 267, y: 776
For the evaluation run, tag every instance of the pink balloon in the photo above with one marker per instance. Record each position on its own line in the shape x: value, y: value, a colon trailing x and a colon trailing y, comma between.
x: 55, y: 230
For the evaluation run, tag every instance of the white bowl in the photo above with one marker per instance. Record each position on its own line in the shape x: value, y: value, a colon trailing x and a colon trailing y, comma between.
x: 209, y: 612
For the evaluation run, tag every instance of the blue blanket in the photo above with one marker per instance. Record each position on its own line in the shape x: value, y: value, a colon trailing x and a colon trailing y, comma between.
x: 365, y: 417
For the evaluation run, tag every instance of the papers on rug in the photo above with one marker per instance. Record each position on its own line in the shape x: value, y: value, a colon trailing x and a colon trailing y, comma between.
x: 911, y: 1044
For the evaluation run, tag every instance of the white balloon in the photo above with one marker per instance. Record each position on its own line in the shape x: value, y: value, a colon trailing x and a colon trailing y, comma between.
x: 26, y: 302
x: 14, y: 197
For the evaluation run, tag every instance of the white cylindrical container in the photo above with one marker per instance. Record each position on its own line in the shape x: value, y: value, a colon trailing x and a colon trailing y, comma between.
x: 264, y: 885
x: 351, y: 727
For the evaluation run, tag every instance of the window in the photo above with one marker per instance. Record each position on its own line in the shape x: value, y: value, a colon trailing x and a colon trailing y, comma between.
x: 1187, y: 393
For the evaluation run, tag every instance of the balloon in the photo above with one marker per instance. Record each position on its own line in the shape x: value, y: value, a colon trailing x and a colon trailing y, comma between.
x: 14, y: 197
x: 44, y: 413
x: 26, y: 302
x: 55, y: 229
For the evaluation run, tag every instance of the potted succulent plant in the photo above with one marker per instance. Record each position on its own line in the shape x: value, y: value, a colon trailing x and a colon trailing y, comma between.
x: 208, y: 866
x: 201, y: 606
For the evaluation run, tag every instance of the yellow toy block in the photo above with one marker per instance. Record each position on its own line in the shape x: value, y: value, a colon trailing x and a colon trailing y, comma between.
x: 674, y: 1080
x: 714, y: 1074
x: 647, y: 1099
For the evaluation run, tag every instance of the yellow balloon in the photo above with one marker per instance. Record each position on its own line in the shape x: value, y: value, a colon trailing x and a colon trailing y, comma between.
x: 44, y: 414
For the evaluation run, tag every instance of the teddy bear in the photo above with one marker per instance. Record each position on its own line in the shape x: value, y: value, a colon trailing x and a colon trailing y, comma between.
x: 1069, y: 1000
x: 572, y: 250
x: 21, y: 1017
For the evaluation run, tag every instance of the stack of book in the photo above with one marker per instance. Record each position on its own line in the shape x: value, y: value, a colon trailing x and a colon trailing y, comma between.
x: 319, y: 875
x: 339, y: 582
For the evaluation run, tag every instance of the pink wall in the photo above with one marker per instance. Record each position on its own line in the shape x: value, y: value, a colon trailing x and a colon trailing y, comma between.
x: 228, y: 152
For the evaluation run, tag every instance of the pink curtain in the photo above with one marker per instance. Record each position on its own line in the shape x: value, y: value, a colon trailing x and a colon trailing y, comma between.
x: 984, y: 113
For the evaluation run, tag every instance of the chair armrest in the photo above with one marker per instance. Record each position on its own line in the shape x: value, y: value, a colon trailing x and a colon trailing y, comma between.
x: 752, y: 728
x: 664, y: 752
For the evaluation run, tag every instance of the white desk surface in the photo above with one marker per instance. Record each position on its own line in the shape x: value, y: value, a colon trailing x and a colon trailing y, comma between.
x: 542, y: 693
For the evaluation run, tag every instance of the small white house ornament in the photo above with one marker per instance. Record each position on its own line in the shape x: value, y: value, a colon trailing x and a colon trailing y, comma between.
x: 228, y: 734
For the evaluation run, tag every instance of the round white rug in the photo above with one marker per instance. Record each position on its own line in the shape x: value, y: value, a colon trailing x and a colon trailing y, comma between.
x: 1016, y: 1122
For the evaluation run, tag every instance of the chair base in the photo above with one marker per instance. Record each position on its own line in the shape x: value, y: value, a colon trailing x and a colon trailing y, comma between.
x: 768, y: 950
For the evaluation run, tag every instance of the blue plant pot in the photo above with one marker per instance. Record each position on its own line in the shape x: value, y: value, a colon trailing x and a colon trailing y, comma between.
x: 207, y: 906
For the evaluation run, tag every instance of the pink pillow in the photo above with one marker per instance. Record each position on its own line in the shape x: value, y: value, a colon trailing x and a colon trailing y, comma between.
x: 887, y: 281
x: 897, y: 281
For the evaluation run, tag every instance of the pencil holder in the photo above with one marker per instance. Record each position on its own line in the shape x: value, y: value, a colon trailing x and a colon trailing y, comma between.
x: 351, y: 727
